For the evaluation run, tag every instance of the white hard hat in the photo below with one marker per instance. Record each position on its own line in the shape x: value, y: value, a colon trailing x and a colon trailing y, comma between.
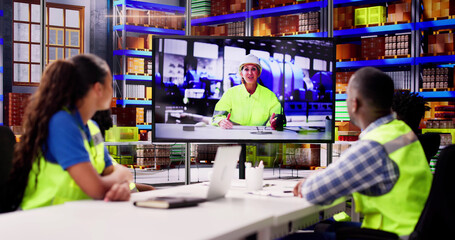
x: 250, y: 59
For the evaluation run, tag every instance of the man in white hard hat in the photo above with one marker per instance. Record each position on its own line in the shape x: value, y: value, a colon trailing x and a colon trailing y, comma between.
x: 250, y: 103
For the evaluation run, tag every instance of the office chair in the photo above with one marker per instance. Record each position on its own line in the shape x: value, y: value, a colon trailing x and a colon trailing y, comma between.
x: 437, y: 217
x: 7, y: 141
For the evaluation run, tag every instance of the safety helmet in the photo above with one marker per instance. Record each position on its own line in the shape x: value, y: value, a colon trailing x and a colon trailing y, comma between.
x: 250, y: 59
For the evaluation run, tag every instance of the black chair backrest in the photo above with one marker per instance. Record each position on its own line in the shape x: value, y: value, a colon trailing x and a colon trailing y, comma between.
x: 438, y: 216
x: 7, y: 141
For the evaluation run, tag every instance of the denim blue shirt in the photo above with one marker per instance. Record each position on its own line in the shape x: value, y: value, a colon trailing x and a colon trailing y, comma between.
x: 365, y: 167
x: 65, y: 143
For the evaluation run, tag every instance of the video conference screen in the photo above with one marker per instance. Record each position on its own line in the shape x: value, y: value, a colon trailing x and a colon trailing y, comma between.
x: 243, y: 89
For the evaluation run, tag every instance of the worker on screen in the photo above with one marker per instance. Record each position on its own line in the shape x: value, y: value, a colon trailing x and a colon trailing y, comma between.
x: 249, y: 103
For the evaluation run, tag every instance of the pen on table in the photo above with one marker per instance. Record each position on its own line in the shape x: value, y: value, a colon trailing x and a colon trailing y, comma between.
x: 287, y: 191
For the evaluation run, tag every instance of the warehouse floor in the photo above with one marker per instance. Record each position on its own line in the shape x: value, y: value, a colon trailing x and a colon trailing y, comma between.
x: 201, y: 173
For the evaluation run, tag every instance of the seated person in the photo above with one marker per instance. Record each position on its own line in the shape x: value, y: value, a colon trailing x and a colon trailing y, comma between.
x: 249, y: 103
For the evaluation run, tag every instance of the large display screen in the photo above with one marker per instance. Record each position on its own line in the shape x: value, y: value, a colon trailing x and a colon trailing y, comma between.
x: 200, y: 81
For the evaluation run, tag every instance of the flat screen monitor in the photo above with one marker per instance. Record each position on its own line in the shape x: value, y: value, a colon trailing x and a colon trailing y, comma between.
x: 198, y: 82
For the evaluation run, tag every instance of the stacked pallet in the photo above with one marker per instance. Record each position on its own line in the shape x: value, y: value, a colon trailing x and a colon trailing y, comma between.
x: 343, y: 17
x: 347, y: 51
x: 342, y: 80
x: 438, y: 8
x: 17, y: 102
x: 200, y: 7
x: 373, y: 48
x: 397, y: 45
x: 440, y: 43
x: 399, y: 12
x: 236, y: 29
x: 438, y: 78
x: 219, y: 7
x: 264, y: 26
x: 308, y: 21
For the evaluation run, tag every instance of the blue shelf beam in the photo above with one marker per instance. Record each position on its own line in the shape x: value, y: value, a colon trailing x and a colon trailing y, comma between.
x: 133, y: 77
x: 376, y: 63
x: 341, y: 97
x: 150, y: 6
x: 148, y: 30
x: 134, y: 102
x: 133, y: 53
x: 436, y: 59
x: 290, y: 9
x: 438, y: 95
x: 1, y: 41
x: 355, y: 32
x: 1, y: 13
x: 435, y: 25
x: 234, y: 17
x: 144, y: 127
x: 316, y: 34
x: 1, y: 98
x: 340, y: 3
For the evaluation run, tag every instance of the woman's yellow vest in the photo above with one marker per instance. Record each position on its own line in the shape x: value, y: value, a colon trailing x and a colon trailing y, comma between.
x: 48, y: 184
x: 399, y: 210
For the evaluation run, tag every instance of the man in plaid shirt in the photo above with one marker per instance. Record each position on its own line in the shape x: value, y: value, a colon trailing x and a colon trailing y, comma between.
x: 387, y: 158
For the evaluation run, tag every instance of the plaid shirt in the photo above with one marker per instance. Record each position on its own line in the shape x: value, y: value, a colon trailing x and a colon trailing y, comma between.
x: 365, y: 167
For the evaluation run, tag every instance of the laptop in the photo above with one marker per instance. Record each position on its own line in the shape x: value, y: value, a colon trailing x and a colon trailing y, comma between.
x: 220, y: 181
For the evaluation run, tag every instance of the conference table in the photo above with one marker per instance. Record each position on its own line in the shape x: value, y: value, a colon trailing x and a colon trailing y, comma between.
x: 267, y: 214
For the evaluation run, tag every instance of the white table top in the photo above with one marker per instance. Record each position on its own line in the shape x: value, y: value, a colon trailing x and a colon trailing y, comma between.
x: 175, y: 131
x: 236, y: 216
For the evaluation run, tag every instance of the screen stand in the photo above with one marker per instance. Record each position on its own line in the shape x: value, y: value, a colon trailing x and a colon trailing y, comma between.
x: 242, y: 162
x: 188, y: 164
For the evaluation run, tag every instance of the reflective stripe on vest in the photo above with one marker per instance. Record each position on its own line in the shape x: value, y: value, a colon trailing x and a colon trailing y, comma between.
x: 55, y: 185
x: 398, y: 210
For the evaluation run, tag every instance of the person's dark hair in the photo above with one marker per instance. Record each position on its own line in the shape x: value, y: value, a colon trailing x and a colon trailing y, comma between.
x: 375, y: 87
x: 410, y: 107
x: 104, y: 120
x: 63, y: 84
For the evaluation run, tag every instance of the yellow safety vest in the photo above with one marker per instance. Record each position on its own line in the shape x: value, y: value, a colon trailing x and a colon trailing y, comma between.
x: 245, y: 108
x: 49, y: 184
x: 398, y: 210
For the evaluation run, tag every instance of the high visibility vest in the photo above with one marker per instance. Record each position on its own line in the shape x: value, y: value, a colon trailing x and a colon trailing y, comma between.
x: 245, y: 108
x: 49, y: 184
x: 398, y: 210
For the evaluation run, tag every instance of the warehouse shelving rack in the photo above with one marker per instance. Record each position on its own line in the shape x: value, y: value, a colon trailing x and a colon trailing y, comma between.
x: 1, y: 73
x: 121, y: 28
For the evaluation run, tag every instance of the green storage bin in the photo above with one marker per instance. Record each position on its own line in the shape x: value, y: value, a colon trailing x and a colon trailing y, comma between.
x: 376, y: 15
x: 122, y: 134
x: 361, y: 16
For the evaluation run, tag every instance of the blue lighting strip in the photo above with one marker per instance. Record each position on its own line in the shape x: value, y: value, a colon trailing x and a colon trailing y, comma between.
x: 1, y: 13
x: 438, y: 95
x: 234, y: 17
x: 396, y: 28
x: 290, y: 9
x: 317, y: 34
x: 439, y: 24
x: 134, y: 102
x: 341, y: 97
x: 338, y: 3
x: 150, y: 6
x: 148, y: 30
x: 436, y: 59
x: 133, y: 77
x: 1, y: 69
x: 144, y: 127
x: 1, y: 41
x: 133, y: 53
x: 376, y: 63
x: 1, y: 98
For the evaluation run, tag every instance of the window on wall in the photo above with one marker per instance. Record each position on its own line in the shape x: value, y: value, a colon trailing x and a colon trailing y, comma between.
x: 64, y: 37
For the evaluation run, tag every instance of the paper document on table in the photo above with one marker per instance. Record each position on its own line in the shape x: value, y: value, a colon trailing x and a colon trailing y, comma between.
x: 273, y: 193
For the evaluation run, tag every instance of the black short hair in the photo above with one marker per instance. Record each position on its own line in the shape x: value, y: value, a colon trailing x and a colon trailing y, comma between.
x: 375, y: 87
x: 410, y: 107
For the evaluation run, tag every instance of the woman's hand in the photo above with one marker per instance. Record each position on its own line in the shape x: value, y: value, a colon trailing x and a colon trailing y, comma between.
x: 273, y: 121
x: 297, y: 189
x: 122, y: 173
x: 118, y: 192
x: 225, y: 123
